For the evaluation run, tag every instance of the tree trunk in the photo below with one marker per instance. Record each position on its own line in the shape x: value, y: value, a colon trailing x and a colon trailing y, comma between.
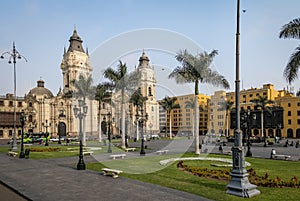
x: 123, y: 146
x: 196, y: 124
x: 227, y: 125
x: 262, y: 123
x: 170, y: 124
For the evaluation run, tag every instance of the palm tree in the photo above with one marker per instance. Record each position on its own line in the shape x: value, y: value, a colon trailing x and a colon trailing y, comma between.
x: 169, y: 103
x: 122, y: 81
x: 138, y: 100
x: 292, y: 30
x: 84, y: 89
x: 196, y: 69
x: 102, y: 94
x: 227, y: 105
x: 262, y: 102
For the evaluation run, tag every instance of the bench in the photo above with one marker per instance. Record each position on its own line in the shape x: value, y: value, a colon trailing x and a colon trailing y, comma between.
x: 278, y: 156
x: 87, y: 152
x: 12, y: 153
x: 130, y: 149
x: 162, y: 152
x: 117, y: 156
x: 27, y: 145
x: 114, y: 173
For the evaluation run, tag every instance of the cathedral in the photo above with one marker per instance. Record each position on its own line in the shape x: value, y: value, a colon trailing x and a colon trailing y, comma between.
x: 46, y: 112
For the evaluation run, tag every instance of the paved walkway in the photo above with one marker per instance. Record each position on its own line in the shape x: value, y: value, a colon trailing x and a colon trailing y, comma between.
x: 56, y: 179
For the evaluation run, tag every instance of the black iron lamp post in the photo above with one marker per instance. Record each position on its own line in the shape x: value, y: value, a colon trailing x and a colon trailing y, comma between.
x: 22, y: 120
x: 80, y: 112
x: 13, y: 56
x: 142, y: 119
x: 46, y: 125
x: 109, y: 150
x: 249, y: 118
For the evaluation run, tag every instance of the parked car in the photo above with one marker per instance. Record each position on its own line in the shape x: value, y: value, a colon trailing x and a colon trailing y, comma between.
x: 155, y: 136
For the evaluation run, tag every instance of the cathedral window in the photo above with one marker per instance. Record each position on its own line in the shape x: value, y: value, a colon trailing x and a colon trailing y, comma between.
x: 149, y: 91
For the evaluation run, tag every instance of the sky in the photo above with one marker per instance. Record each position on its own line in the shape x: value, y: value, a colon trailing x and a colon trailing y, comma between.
x: 122, y: 29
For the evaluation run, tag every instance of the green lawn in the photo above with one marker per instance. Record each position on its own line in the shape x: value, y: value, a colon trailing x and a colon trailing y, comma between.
x: 148, y: 169
x: 172, y: 177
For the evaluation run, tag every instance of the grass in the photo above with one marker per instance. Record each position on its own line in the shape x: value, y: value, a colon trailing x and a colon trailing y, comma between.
x: 147, y: 169
x: 211, y: 188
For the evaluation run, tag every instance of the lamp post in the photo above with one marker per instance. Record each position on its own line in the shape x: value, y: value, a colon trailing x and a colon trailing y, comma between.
x: 13, y: 56
x: 109, y: 150
x: 249, y: 118
x: 46, y: 125
x: 22, y: 120
x: 142, y: 118
x: 239, y: 184
x: 80, y: 112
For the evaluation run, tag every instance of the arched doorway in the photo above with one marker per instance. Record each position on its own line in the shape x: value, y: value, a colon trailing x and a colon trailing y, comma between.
x: 256, y: 132
x: 61, y: 129
x: 298, y: 133
x: 290, y: 133
x: 271, y: 133
x: 278, y: 133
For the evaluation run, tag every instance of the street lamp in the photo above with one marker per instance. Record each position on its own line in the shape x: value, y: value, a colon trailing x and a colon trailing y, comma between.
x: 80, y: 112
x: 13, y: 56
x: 109, y: 150
x: 46, y: 125
x: 142, y: 118
x: 239, y: 184
x: 249, y: 125
x: 22, y: 120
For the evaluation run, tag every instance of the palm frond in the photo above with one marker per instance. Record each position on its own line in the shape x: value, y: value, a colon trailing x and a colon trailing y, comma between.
x: 291, y: 70
x: 291, y: 30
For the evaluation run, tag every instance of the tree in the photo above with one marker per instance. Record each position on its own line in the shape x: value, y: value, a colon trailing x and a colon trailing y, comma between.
x: 168, y: 104
x: 227, y: 105
x: 292, y: 30
x: 122, y: 81
x: 84, y: 89
x: 138, y: 100
x: 102, y: 94
x: 262, y: 102
x: 196, y: 69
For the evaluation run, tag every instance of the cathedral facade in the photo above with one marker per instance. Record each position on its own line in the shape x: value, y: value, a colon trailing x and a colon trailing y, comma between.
x: 53, y: 114
x: 48, y: 113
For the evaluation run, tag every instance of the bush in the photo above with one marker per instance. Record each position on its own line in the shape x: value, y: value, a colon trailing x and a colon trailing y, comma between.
x: 264, y: 180
x: 48, y: 149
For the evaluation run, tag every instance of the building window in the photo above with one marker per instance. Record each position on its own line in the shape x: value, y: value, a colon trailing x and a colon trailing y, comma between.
x: 10, y: 132
x: 298, y: 104
x: 289, y: 113
x: 11, y: 104
x: 298, y: 121
x: 1, y: 133
x: 19, y: 104
x: 149, y: 91
x: 289, y: 121
x: 2, y: 103
x: 289, y: 104
x: 298, y: 112
x: 152, y: 108
x: 30, y: 118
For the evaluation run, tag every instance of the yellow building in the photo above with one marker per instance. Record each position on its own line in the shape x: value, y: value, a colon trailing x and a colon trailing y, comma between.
x: 291, y: 124
x: 281, y: 122
x: 183, y: 118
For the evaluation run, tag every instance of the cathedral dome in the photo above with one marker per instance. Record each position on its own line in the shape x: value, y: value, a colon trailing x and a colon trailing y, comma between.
x: 40, y: 90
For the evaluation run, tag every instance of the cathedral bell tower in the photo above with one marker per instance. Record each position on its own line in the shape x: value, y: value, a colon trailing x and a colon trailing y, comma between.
x: 75, y: 62
x: 147, y: 87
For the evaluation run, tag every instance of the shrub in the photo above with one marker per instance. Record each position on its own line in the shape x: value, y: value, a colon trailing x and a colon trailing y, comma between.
x: 264, y: 180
